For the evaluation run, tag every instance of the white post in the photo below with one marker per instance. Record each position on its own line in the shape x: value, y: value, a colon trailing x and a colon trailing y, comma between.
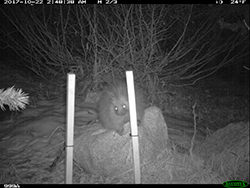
x: 70, y: 127
x: 133, y: 123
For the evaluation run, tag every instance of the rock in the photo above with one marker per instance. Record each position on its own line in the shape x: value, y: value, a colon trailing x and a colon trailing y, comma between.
x: 227, y: 151
x: 104, y: 152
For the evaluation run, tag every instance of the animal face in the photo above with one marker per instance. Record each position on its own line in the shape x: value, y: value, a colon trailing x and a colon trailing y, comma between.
x: 120, y: 105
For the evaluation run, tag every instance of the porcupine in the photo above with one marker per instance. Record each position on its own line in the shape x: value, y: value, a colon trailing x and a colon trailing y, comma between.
x: 113, y: 106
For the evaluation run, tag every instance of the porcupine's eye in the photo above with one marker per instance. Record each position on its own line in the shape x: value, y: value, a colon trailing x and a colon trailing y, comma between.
x: 124, y: 107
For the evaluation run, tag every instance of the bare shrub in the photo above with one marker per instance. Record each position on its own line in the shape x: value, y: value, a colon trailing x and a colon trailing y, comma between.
x: 162, y: 44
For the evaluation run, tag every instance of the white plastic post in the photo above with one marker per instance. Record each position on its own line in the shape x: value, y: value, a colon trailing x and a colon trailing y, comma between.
x: 133, y: 123
x: 70, y: 127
